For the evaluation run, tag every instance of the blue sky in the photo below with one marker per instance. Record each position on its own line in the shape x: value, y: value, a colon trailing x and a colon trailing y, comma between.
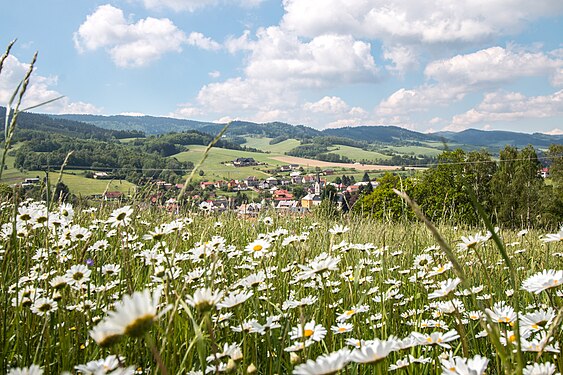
x: 427, y: 66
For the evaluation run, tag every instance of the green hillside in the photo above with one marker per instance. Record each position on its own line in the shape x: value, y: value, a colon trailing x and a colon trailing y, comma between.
x: 263, y: 143
x: 355, y: 153
x: 218, y: 163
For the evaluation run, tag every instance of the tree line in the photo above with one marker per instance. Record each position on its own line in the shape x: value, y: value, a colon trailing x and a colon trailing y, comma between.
x: 510, y: 189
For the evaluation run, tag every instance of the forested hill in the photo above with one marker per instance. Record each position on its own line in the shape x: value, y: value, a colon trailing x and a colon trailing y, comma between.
x: 145, y: 124
x: 468, y: 139
x: 162, y: 125
x: 495, y: 138
x: 31, y: 125
x: 384, y: 134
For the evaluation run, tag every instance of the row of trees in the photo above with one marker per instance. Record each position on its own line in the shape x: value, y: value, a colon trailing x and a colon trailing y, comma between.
x: 125, y: 161
x: 511, y: 189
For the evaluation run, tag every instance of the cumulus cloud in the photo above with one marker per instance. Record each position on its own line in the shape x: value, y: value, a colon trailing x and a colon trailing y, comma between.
x: 199, y: 40
x: 403, y: 58
x: 450, y: 80
x: 193, y: 5
x: 511, y: 106
x: 328, y: 104
x: 40, y: 90
x: 134, y: 44
x: 405, y: 21
x: 420, y: 99
x: 326, y: 60
x: 494, y: 65
x: 279, y: 67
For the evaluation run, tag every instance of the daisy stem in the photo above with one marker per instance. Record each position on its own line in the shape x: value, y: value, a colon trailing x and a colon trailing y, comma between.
x: 41, y: 339
x: 156, y: 354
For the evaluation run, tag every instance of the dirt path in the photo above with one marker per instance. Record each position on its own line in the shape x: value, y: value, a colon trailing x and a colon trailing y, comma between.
x: 318, y: 163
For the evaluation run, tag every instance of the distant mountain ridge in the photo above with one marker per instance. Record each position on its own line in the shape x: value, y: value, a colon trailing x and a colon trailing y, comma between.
x: 381, y: 133
x: 499, y: 138
x: 30, y: 122
x: 373, y: 134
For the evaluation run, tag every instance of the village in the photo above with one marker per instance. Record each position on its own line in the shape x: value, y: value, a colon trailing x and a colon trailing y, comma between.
x: 289, y: 190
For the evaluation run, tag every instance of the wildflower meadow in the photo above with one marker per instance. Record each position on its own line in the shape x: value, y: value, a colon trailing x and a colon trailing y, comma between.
x: 133, y: 290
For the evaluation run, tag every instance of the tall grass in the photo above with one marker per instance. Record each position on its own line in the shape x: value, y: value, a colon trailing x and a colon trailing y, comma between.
x: 381, y: 277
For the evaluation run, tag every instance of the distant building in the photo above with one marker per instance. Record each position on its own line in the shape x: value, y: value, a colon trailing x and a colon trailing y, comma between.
x: 102, y: 176
x: 251, y: 181
x: 272, y: 181
x: 313, y: 199
x: 282, y: 195
x: 112, y: 195
x: 250, y: 209
x: 544, y: 172
x: 206, y: 185
x: 31, y: 181
x: 244, y: 162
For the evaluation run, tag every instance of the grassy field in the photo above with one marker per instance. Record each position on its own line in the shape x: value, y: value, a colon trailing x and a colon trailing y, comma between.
x: 355, y: 153
x: 414, y: 150
x: 317, y: 294
x: 81, y: 185
x: 76, y: 182
x: 215, y: 166
x: 264, y: 144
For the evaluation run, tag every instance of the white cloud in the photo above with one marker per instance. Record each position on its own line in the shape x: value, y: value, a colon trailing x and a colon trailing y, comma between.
x: 328, y: 104
x: 555, y: 131
x: 419, y: 99
x: 279, y: 68
x: 403, y: 58
x: 245, y: 95
x: 187, y: 111
x: 203, y: 42
x: 326, y: 60
x: 134, y: 114
x: 493, y: 65
x: 511, y: 106
x: 426, y: 22
x: 193, y: 5
x: 454, y: 78
x: 214, y: 74
x: 39, y: 90
x: 134, y: 44
x: 178, y: 5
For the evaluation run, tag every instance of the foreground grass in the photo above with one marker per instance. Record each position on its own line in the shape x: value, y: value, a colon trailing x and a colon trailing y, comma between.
x: 309, y: 287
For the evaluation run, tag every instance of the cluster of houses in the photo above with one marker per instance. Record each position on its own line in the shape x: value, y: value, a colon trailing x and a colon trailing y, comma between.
x: 278, y: 189
x: 282, y: 199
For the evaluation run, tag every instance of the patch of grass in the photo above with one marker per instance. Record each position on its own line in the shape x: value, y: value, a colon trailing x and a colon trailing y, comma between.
x: 357, y: 154
x: 80, y: 185
x: 263, y: 144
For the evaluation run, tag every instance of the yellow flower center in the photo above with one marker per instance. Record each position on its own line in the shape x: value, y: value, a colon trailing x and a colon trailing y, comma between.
x: 308, y: 332
x: 140, y: 325
x: 341, y: 329
x: 257, y: 247
x: 350, y: 312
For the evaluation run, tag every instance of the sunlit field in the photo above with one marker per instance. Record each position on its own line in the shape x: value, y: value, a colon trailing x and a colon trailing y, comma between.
x: 127, y: 290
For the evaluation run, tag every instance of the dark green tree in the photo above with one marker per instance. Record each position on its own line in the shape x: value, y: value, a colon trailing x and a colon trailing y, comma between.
x: 517, y: 188
x: 440, y: 190
x: 383, y: 203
